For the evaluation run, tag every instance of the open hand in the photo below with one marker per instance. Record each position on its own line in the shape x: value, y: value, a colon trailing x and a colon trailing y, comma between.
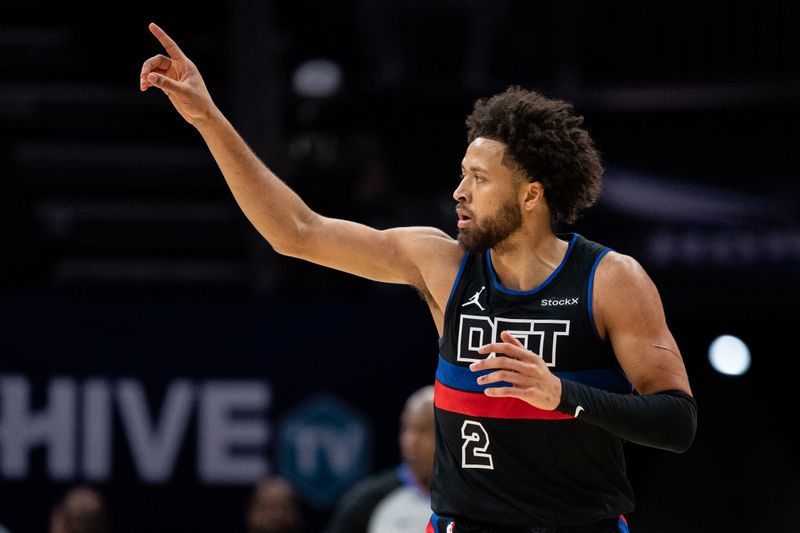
x: 528, y: 374
x: 178, y: 78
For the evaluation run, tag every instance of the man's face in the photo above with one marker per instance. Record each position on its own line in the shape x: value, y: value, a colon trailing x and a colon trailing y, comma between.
x: 274, y: 508
x: 488, y: 207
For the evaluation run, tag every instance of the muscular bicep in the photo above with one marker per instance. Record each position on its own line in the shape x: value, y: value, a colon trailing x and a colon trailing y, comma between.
x: 422, y: 257
x: 629, y: 311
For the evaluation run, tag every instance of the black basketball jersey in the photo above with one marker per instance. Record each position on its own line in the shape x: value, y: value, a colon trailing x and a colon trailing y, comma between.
x: 501, y: 461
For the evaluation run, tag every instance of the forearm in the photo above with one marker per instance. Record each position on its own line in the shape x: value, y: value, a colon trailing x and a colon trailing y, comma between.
x: 276, y: 211
x: 666, y: 420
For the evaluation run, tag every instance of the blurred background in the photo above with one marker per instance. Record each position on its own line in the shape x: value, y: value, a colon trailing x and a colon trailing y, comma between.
x: 154, y: 347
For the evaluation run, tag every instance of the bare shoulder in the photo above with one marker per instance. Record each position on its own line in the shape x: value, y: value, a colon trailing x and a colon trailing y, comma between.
x: 623, y: 291
x: 630, y: 314
x: 425, y: 240
x: 436, y: 255
x: 431, y: 249
x: 620, y: 272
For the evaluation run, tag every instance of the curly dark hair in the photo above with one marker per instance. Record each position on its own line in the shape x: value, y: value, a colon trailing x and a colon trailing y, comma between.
x: 544, y: 139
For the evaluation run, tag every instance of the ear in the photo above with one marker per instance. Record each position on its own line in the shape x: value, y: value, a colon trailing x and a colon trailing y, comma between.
x: 534, y: 195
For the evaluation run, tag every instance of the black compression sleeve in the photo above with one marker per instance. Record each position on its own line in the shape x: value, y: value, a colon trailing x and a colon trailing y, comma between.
x: 666, y: 420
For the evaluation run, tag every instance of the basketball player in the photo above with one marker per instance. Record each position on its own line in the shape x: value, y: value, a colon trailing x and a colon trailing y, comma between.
x: 554, y: 350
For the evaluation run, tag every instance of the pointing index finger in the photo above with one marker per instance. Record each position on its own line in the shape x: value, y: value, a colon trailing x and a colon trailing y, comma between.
x: 173, y: 50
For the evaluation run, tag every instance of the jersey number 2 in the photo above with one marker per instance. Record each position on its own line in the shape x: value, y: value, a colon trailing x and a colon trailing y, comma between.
x: 476, y: 442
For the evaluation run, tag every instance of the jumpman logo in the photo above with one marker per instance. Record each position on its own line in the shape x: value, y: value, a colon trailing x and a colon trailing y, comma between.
x: 474, y: 300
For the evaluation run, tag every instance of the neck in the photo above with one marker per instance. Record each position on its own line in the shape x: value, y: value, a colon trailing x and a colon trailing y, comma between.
x: 524, y: 260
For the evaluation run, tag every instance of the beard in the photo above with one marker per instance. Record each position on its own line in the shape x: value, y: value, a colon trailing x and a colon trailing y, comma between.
x: 494, y: 230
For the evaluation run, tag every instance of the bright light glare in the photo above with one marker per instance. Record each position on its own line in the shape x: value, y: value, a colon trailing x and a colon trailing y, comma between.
x: 729, y: 355
x: 317, y: 78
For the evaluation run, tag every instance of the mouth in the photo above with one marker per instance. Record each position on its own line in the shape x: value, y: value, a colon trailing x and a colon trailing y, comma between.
x: 464, y: 219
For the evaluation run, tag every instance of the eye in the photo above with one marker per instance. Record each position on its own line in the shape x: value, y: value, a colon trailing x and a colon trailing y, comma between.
x: 476, y: 177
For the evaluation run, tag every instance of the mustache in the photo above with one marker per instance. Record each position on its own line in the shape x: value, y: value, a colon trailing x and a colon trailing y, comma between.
x: 464, y: 208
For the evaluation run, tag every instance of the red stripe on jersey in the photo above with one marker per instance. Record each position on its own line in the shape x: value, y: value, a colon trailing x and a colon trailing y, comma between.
x: 478, y: 404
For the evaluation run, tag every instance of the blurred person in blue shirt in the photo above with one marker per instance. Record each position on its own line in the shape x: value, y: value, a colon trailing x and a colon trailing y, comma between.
x: 397, y: 500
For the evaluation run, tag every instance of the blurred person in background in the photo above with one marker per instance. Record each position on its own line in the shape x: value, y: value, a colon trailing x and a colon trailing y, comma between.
x: 532, y: 439
x: 273, y: 508
x: 399, y: 499
x: 81, y: 510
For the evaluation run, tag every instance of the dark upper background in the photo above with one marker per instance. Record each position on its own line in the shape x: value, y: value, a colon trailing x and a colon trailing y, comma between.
x: 111, y: 201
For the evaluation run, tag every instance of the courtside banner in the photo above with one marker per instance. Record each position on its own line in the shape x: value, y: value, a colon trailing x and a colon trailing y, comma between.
x: 189, y: 401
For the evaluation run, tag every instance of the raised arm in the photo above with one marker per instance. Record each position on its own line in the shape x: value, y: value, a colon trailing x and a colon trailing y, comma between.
x: 422, y: 257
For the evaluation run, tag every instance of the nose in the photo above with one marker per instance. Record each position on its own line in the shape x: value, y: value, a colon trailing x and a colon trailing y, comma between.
x: 461, y: 192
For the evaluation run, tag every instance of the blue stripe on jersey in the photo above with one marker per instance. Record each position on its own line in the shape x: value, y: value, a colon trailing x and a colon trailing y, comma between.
x: 541, y: 285
x: 462, y: 378
x: 435, y: 522
x: 591, y: 286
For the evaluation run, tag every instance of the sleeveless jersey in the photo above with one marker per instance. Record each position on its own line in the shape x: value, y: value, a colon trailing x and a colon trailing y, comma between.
x: 501, y: 461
